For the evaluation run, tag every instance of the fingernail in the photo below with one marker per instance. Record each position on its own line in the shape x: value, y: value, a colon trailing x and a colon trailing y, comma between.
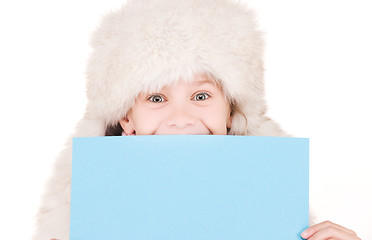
x: 304, y: 234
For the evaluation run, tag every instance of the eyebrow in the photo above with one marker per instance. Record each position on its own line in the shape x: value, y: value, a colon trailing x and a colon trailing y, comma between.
x: 198, y: 83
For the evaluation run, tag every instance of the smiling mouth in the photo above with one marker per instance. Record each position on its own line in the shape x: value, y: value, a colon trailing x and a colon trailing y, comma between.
x: 184, y: 134
x: 209, y: 133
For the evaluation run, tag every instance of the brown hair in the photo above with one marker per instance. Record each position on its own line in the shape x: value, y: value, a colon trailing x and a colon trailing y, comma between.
x: 236, y: 110
x: 114, y: 130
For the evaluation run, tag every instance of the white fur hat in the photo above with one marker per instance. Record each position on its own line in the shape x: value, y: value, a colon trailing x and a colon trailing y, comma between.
x: 152, y: 43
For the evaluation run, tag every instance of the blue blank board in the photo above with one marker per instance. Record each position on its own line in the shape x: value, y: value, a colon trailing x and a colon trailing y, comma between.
x: 188, y: 187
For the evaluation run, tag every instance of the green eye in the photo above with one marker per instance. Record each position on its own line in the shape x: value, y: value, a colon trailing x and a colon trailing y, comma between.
x: 201, y: 96
x: 156, y: 98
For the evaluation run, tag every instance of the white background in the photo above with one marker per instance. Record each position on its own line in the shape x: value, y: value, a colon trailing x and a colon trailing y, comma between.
x: 318, y: 84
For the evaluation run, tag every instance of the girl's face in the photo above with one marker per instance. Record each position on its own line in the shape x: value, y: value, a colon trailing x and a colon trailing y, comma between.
x: 197, y: 108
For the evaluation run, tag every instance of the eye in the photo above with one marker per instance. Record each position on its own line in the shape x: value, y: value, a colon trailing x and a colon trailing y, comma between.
x: 156, y: 98
x: 201, y: 96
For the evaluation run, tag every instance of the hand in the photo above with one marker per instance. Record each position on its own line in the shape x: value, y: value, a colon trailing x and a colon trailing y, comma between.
x: 328, y: 230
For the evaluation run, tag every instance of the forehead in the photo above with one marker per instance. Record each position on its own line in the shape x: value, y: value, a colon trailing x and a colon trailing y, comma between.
x: 201, y: 79
x: 197, y: 80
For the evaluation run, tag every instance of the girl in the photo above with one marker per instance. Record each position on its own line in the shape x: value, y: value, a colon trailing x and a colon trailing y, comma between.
x: 170, y: 67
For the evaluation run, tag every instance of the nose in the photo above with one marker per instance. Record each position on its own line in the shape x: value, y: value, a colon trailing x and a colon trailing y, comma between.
x: 180, y: 117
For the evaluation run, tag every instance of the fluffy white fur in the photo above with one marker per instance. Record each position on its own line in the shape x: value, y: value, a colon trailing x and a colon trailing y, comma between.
x: 151, y: 43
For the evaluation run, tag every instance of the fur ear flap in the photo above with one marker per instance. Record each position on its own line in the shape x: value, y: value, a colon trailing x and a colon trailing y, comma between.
x: 268, y: 127
x: 256, y: 126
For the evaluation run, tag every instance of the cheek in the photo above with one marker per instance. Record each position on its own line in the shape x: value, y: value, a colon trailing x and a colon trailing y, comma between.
x: 215, y: 118
x: 146, y: 121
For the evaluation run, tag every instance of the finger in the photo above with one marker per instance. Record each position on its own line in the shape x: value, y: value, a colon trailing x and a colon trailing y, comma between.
x: 317, y: 227
x: 333, y: 233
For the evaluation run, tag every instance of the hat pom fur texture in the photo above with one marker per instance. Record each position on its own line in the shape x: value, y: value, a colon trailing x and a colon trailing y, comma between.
x: 149, y: 44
